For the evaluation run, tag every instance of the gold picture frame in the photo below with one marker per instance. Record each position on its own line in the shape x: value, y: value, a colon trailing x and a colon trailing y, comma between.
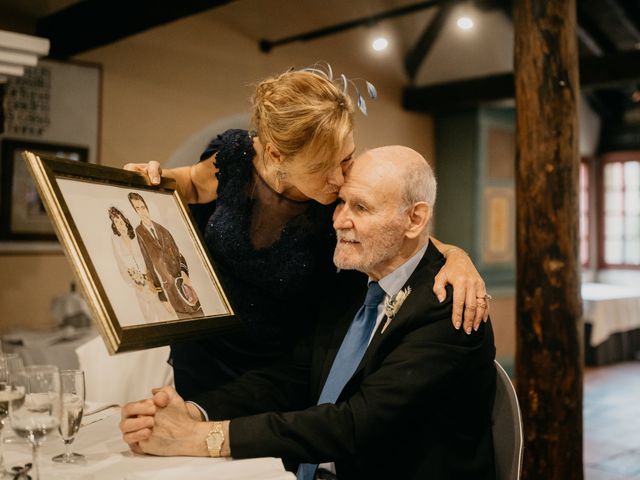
x: 140, y: 262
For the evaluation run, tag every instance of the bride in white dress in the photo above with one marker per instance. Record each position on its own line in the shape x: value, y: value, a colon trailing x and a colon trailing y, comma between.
x: 133, y: 270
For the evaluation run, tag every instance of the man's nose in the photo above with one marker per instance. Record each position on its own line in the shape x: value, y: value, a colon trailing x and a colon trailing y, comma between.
x: 341, y: 219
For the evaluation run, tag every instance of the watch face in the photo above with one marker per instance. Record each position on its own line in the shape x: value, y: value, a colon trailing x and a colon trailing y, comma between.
x: 215, y: 439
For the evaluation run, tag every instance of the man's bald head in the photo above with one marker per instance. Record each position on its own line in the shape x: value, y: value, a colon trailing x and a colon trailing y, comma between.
x: 384, y: 210
x: 396, y: 163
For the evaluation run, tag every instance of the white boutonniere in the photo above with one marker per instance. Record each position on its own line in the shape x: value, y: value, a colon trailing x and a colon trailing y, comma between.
x: 393, y: 304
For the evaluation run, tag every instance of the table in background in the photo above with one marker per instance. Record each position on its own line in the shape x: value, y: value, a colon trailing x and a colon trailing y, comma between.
x: 49, y: 347
x: 109, y: 458
x: 111, y: 379
x: 612, y: 323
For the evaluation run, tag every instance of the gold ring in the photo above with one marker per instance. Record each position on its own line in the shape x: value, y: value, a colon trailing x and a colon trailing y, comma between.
x: 486, y: 297
x: 481, y: 305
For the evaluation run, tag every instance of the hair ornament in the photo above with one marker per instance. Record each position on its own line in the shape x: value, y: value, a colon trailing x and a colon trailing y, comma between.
x: 361, y: 103
x: 373, y: 93
x: 323, y: 69
x: 345, y: 83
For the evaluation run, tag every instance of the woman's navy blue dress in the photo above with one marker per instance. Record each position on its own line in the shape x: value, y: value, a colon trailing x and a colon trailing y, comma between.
x: 273, y: 290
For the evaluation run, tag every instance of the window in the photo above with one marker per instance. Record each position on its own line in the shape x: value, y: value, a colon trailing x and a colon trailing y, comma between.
x: 584, y: 213
x: 621, y: 211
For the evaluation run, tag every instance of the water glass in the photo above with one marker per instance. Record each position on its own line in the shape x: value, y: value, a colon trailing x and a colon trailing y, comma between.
x: 36, y: 410
x: 73, y: 396
x: 9, y: 364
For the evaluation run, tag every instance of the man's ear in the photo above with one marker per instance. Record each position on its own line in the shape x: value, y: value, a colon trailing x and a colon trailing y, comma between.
x: 419, y: 216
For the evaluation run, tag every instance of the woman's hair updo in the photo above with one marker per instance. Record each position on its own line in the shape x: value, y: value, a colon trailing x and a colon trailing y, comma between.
x: 302, y: 111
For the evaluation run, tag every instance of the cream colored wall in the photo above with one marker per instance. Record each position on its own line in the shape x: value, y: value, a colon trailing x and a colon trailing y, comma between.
x: 27, y: 285
x: 161, y: 86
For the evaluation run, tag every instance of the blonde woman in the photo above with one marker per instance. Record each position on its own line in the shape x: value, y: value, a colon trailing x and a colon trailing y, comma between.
x: 270, y: 196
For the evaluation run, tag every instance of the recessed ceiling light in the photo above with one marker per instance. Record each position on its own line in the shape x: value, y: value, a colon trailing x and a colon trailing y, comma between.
x: 465, y: 23
x: 380, y: 43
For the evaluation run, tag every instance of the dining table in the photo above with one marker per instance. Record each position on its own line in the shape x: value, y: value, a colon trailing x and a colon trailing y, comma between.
x: 612, y: 323
x: 56, y: 346
x: 107, y: 457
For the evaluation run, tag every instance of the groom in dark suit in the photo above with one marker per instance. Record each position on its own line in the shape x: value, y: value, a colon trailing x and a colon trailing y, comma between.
x: 166, y: 268
x: 388, y: 389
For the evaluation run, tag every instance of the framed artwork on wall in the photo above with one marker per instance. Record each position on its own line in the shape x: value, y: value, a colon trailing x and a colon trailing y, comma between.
x: 22, y: 213
x: 496, y: 195
x: 498, y: 242
x: 140, y: 261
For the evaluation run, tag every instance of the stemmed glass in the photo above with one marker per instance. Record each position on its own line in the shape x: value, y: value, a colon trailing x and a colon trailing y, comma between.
x: 37, y: 410
x: 9, y: 364
x: 72, y: 408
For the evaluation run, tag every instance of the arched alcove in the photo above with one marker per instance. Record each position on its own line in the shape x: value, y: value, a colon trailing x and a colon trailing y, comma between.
x: 189, y: 152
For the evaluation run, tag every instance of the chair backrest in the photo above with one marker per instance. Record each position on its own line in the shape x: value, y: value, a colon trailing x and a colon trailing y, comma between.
x: 507, y: 428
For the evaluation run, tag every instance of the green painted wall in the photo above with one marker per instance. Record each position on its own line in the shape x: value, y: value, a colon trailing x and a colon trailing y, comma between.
x: 456, y: 149
x: 460, y: 218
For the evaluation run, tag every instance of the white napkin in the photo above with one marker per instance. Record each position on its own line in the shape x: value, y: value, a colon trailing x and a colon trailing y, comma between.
x: 91, y: 408
x: 124, y: 377
x: 250, y: 469
x: 96, y: 411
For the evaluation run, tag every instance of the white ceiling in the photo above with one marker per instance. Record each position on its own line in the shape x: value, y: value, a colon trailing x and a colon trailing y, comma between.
x: 456, y: 54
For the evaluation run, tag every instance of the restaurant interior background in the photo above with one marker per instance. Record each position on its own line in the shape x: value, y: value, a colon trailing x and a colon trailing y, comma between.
x: 166, y: 90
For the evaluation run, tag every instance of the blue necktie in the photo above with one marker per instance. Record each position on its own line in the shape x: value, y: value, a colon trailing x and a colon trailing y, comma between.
x: 351, y: 351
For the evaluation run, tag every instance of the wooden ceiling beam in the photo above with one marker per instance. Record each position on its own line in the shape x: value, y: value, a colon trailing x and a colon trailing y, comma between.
x: 421, y: 49
x: 624, y: 18
x: 606, y: 111
x: 588, y: 28
x: 588, y: 42
x: 611, y: 69
x: 631, y: 9
x: 94, y: 23
x: 459, y: 94
x: 267, y: 45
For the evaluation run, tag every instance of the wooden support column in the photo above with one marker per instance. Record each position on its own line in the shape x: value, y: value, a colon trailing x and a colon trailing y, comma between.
x: 2, y: 93
x: 549, y: 312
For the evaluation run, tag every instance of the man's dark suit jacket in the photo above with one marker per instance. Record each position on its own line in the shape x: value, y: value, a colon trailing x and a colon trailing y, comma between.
x: 418, y: 406
x: 164, y: 265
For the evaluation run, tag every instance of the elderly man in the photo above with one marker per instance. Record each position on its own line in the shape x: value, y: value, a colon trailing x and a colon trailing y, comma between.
x: 387, y: 390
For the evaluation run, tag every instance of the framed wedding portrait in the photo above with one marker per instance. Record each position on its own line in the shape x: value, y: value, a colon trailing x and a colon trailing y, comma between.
x: 141, y: 263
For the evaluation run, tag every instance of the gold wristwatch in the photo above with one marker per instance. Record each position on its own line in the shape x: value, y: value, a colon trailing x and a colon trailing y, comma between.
x: 215, y: 439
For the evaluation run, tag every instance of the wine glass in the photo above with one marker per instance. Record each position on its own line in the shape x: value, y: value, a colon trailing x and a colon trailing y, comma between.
x: 37, y: 409
x: 72, y: 408
x: 9, y: 363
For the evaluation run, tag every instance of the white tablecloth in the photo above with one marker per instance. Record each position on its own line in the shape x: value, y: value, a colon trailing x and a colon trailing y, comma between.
x: 610, y: 309
x: 109, y: 458
x: 49, y: 347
